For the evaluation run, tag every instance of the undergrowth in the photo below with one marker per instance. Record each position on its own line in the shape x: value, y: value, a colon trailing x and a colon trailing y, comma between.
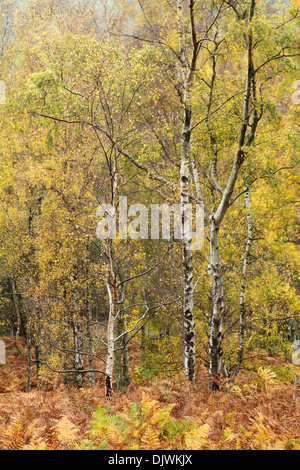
x: 144, y: 426
x: 259, y: 411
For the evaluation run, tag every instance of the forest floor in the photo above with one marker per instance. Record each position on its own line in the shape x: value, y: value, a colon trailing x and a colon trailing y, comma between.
x: 261, y: 411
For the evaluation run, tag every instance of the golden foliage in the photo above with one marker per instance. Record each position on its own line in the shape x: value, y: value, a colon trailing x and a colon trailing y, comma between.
x: 268, y: 377
x: 22, y: 435
x: 66, y: 431
x: 197, y: 437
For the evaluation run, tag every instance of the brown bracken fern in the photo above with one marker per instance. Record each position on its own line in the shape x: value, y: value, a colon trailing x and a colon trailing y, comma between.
x: 143, y: 426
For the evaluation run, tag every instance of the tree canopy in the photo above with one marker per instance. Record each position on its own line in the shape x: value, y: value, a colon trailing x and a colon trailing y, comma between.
x: 172, y: 102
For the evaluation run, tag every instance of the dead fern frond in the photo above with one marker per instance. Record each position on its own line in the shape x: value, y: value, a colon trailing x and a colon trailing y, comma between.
x: 21, y: 435
x: 268, y: 377
x: 148, y: 406
x: 14, y: 438
x: 264, y: 434
x: 142, y: 425
x: 150, y: 439
x: 66, y: 431
x: 197, y: 438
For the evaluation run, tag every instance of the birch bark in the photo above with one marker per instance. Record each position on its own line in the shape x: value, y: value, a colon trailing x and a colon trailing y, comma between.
x: 187, y: 256
x: 112, y: 290
x: 216, y: 267
x: 244, y: 282
x: 187, y: 74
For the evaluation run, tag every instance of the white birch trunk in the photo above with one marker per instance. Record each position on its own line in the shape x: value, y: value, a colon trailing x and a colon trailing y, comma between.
x: 215, y: 267
x: 189, y: 352
x: 186, y: 77
x: 91, y: 345
x: 16, y: 304
x: 216, y: 270
x: 78, y: 360
x: 244, y: 282
x: 112, y: 289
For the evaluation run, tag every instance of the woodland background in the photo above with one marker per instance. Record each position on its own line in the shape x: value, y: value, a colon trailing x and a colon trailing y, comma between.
x: 146, y: 344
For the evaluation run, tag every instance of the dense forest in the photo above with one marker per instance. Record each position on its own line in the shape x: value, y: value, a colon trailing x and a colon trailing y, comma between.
x: 149, y: 224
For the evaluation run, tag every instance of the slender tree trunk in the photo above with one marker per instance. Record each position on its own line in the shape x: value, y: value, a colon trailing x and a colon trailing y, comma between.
x: 29, y: 366
x: 121, y: 357
x: 37, y: 362
x: 215, y: 267
x: 29, y: 361
x: 118, y: 356
x: 125, y: 362
x: 112, y: 290
x: 91, y: 347
x: 187, y: 255
x: 218, y: 308
x: 16, y: 305
x: 37, y: 336
x: 186, y: 77
x: 78, y: 360
x: 111, y: 284
x: 249, y: 243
